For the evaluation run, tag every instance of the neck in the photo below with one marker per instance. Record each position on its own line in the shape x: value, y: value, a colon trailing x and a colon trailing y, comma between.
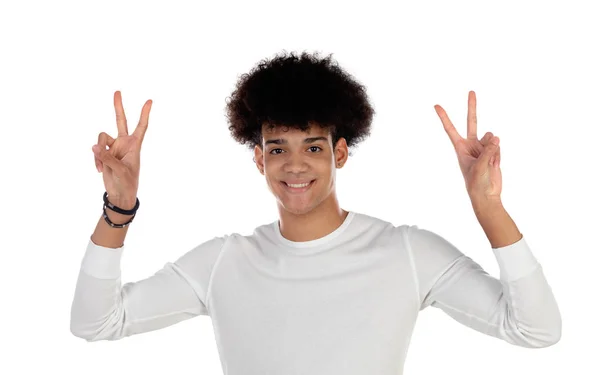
x: 312, y: 225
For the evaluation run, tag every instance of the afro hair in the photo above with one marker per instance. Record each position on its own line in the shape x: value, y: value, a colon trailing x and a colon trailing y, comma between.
x: 295, y: 92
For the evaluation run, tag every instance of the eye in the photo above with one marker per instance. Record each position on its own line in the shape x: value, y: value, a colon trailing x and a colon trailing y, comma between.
x: 275, y: 149
x: 315, y: 147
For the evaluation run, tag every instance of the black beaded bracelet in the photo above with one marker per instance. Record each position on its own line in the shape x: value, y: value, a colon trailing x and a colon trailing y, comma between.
x: 113, y: 224
x: 121, y: 210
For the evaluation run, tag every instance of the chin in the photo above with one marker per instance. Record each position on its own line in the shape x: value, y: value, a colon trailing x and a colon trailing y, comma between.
x: 297, y: 210
x: 297, y: 206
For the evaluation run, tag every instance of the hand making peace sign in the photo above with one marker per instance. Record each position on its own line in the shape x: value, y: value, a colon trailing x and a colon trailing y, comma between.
x: 479, y: 160
x: 120, y: 163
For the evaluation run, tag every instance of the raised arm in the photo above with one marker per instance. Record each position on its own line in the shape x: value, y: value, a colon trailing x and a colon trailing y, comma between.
x: 102, y: 308
x: 519, y: 307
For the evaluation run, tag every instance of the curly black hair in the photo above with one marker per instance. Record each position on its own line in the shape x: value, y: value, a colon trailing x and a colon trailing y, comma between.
x: 297, y: 91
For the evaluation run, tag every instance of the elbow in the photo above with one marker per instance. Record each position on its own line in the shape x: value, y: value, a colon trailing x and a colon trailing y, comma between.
x: 97, y: 332
x: 554, y: 340
x: 552, y: 336
x: 547, y: 341
x: 553, y: 331
x: 543, y: 338
x: 91, y: 335
x: 75, y: 331
x: 539, y: 328
x: 94, y: 327
x: 78, y: 330
x: 92, y: 331
x: 80, y: 327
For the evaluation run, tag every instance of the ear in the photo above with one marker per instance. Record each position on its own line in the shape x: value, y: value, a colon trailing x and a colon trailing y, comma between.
x: 340, y: 152
x: 258, y: 159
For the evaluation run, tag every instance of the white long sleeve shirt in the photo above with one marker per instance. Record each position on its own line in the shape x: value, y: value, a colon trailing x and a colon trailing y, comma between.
x: 345, y: 303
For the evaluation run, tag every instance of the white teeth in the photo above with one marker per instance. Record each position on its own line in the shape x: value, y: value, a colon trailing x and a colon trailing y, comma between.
x: 298, y: 185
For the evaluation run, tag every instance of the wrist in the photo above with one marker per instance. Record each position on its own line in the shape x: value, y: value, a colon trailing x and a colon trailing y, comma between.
x: 124, y: 202
x: 119, y: 212
x: 116, y: 217
x: 482, y: 203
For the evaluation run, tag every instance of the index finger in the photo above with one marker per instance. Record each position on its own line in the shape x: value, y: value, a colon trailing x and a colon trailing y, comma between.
x: 472, y: 116
x: 448, y: 127
x: 121, y: 119
x: 142, y: 126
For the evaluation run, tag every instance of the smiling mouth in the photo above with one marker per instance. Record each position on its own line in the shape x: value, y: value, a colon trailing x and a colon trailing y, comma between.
x: 297, y: 188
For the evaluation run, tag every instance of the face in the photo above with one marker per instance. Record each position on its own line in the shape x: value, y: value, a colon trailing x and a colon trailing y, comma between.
x: 290, y: 159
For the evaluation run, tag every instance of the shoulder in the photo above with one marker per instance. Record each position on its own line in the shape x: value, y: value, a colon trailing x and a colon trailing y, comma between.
x: 214, y: 246
x: 424, y: 244
x: 261, y: 235
x: 205, y: 252
x: 431, y: 252
x: 427, y: 240
x: 373, y: 224
x: 377, y: 231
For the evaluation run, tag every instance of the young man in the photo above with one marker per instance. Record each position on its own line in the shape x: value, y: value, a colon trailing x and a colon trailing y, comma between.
x: 321, y: 290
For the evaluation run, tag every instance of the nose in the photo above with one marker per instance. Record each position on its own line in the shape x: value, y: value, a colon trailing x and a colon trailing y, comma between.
x: 295, y: 164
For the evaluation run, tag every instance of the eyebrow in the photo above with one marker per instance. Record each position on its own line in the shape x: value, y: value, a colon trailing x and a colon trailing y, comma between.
x: 281, y: 141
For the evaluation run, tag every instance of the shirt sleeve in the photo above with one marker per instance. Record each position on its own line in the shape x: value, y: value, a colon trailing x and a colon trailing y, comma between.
x: 518, y: 307
x: 103, y: 309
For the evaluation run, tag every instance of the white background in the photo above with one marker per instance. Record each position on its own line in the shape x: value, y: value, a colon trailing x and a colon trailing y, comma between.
x: 535, y: 70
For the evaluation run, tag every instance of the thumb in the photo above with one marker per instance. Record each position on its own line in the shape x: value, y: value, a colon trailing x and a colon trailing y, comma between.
x: 107, y: 158
x: 489, y: 150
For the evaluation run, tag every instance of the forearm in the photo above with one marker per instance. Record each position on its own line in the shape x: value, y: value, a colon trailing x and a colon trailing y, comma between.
x: 497, y: 224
